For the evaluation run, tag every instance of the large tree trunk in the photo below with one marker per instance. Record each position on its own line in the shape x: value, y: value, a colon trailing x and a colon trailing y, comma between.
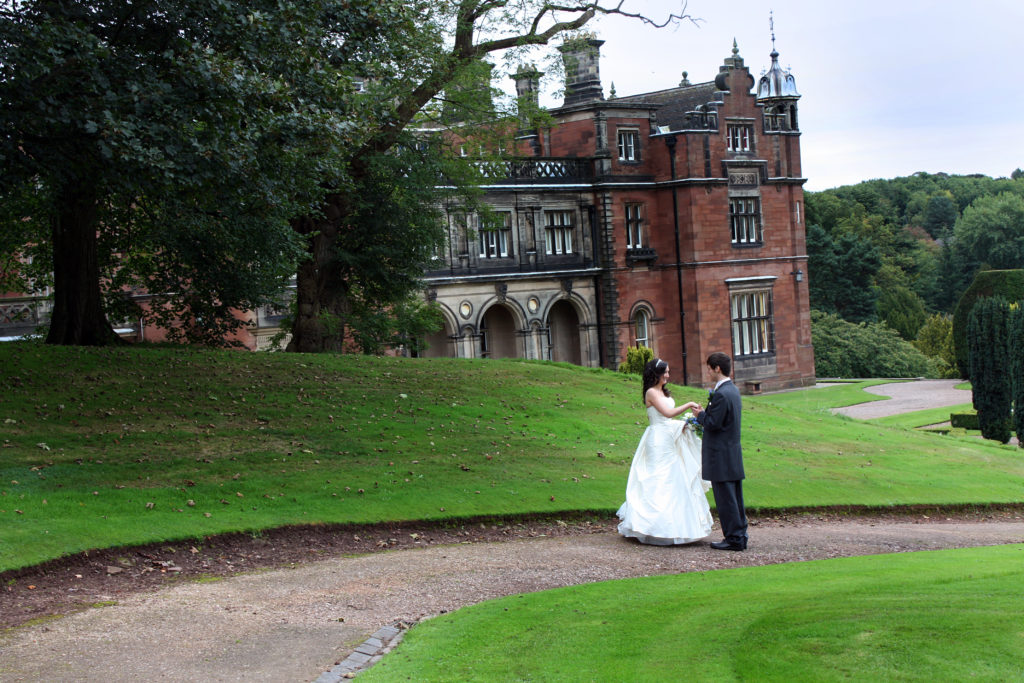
x: 78, y: 318
x: 320, y: 306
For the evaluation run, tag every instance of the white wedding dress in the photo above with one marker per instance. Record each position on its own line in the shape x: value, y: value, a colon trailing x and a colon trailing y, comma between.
x: 665, y: 495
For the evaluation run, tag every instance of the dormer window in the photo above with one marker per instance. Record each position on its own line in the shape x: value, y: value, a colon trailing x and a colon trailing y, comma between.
x: 739, y: 137
x: 629, y: 144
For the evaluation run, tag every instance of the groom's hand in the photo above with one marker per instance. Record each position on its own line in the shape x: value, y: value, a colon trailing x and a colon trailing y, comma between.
x: 697, y: 410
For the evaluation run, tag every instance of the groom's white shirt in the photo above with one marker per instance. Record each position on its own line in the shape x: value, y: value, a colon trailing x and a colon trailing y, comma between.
x: 721, y: 382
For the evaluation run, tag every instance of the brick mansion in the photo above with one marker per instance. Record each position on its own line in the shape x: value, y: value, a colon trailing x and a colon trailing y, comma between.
x: 671, y: 219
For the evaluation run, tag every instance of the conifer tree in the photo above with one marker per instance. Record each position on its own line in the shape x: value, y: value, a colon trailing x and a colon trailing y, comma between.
x: 988, y: 340
x: 1016, y: 348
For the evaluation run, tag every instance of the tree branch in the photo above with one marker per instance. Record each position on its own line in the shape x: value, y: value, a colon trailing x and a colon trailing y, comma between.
x: 597, y: 6
x: 464, y: 51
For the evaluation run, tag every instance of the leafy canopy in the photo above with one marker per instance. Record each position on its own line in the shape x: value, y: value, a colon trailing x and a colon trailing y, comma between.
x: 184, y: 135
x: 845, y: 349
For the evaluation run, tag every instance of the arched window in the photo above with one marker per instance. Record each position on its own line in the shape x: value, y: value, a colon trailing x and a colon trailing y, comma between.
x: 642, y: 328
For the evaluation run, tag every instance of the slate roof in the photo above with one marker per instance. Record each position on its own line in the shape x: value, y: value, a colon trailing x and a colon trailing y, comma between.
x: 675, y: 102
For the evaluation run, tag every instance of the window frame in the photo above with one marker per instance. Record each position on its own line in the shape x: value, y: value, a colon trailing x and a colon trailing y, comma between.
x: 634, y: 225
x: 496, y: 242
x: 739, y: 137
x: 628, y: 144
x: 752, y: 322
x: 644, y: 340
x: 460, y: 222
x: 558, y: 236
x: 746, y: 229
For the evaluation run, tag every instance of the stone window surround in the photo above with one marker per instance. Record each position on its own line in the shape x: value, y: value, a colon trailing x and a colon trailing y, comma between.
x: 628, y: 144
x: 764, y: 331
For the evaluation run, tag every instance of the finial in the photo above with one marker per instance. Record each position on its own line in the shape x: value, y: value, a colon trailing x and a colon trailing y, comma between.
x: 611, y: 94
x: 771, y: 26
x: 685, y: 81
x: 735, y: 49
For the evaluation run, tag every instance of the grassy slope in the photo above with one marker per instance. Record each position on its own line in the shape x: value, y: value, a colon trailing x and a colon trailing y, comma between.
x: 940, y: 615
x: 106, y: 447
x: 923, y: 418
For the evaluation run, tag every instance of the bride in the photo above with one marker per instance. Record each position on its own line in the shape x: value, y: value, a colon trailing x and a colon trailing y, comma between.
x: 665, y: 501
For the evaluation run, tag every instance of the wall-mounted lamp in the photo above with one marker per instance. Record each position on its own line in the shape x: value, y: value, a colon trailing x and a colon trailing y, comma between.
x: 798, y: 275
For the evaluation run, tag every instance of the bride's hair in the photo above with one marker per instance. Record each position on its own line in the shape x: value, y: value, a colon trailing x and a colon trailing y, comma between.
x: 652, y: 373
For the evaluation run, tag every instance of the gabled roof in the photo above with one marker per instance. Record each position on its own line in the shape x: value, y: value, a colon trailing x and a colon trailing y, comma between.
x: 674, y: 103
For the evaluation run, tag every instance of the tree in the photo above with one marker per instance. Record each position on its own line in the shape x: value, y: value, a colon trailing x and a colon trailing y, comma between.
x: 991, y: 387
x: 902, y: 310
x: 1016, y: 348
x: 637, y: 357
x: 935, y: 340
x: 940, y: 214
x: 889, y: 214
x: 145, y: 146
x: 841, y: 274
x: 845, y: 349
x: 991, y: 230
x: 431, y: 46
x: 956, y: 270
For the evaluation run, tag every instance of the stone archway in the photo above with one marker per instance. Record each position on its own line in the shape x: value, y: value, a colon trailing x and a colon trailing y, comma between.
x: 439, y: 343
x: 564, y: 333
x: 498, y: 333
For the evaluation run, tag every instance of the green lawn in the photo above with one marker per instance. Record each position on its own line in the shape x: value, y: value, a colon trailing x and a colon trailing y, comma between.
x: 931, y: 616
x: 109, y: 447
x: 923, y: 418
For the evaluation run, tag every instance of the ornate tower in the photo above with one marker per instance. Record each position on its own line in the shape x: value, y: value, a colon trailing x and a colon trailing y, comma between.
x: 777, y: 92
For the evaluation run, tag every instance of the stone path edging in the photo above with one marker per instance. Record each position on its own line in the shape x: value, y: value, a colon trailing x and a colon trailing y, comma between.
x: 366, y: 655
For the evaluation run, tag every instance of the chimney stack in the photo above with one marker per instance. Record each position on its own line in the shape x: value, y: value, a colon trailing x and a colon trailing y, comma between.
x: 527, y: 92
x: 581, y: 57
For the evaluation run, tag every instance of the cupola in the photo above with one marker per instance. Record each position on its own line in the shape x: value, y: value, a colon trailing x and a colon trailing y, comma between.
x: 776, y: 82
x: 777, y: 93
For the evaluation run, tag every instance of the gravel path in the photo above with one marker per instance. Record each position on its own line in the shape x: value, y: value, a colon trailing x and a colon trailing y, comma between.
x: 295, y: 624
x: 907, y: 397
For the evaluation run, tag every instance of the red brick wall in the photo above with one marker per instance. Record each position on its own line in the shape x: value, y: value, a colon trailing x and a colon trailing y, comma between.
x: 707, y: 256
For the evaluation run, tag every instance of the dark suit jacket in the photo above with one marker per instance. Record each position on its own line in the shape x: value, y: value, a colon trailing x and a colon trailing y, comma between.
x: 721, y: 455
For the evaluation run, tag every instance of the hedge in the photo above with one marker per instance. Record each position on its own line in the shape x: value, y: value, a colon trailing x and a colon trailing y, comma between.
x: 1008, y: 284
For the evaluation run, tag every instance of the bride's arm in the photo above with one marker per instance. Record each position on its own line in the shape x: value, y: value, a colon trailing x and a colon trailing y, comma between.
x: 663, y: 405
x: 690, y: 405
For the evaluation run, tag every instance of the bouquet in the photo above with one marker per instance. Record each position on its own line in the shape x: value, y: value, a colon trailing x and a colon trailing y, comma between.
x: 691, y: 422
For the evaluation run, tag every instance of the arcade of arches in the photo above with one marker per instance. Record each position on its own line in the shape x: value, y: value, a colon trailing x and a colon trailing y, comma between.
x: 542, y: 324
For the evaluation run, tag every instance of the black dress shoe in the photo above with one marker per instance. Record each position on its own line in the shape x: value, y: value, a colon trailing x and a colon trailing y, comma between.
x: 726, y: 545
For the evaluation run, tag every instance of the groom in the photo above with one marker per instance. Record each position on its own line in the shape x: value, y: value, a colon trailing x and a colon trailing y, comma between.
x: 721, y: 456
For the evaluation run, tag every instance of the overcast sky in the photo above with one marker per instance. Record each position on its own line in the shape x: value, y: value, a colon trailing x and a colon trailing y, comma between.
x: 888, y: 88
